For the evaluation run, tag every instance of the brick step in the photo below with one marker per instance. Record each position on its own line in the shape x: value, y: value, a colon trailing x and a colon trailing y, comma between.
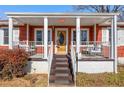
x: 52, y: 79
x: 62, y: 82
x: 61, y: 68
x: 61, y: 58
x: 62, y: 71
x: 61, y: 74
x: 58, y: 56
x: 61, y: 63
x: 69, y: 78
x: 66, y: 60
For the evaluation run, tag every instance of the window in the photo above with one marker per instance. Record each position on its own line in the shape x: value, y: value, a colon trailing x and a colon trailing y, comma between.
x: 49, y: 36
x: 74, y: 36
x: 84, y: 36
x: 6, y: 36
x: 40, y: 37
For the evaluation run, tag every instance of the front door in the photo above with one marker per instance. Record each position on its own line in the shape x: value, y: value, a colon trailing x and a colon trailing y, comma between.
x: 61, y: 42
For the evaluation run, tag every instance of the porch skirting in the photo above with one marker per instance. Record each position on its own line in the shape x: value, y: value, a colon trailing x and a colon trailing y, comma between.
x: 95, y: 66
x: 121, y: 60
x: 38, y: 67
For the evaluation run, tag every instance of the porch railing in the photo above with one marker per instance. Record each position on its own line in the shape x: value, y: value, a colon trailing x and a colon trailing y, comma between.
x: 74, y: 63
x: 50, y: 57
x: 32, y: 47
x: 93, y: 49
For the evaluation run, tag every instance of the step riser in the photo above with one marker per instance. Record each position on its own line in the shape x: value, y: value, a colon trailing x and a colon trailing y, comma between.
x: 62, y: 61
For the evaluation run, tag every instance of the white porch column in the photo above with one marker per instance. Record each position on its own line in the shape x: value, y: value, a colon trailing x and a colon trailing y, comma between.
x: 111, y: 42
x: 94, y: 33
x: 45, y: 37
x: 27, y: 34
x: 10, y: 33
x: 115, y: 42
x: 78, y: 36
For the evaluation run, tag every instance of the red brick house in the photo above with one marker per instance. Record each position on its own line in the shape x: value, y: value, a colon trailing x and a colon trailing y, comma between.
x: 96, y: 39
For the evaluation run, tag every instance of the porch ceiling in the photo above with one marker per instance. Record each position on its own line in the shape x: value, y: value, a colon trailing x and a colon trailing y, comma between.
x: 62, y: 21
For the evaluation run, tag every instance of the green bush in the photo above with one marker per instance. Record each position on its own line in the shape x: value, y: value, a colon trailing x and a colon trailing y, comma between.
x: 13, y: 62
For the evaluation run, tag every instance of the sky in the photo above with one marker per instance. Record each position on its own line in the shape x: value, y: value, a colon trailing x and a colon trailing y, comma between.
x: 33, y: 8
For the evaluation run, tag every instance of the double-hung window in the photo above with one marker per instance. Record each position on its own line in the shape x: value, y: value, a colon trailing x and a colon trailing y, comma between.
x: 84, y: 36
x: 6, y: 36
x: 40, y: 37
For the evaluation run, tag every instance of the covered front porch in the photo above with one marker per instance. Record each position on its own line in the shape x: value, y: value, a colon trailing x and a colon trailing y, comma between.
x: 61, y: 33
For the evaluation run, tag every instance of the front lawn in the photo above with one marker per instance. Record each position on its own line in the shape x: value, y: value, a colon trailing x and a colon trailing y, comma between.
x: 31, y: 80
x: 100, y: 80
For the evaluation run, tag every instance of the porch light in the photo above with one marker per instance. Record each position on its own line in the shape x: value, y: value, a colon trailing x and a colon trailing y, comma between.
x: 61, y: 20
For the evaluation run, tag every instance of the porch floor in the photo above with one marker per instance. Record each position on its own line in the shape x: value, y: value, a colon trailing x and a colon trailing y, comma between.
x: 37, y: 56
x: 93, y: 57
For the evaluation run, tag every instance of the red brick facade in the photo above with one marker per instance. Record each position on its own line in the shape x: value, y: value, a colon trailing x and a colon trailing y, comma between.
x: 23, y: 35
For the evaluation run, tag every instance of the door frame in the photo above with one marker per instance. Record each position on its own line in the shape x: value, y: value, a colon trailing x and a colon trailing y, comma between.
x: 64, y: 29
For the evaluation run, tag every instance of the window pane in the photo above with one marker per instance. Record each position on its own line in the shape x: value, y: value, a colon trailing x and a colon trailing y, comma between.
x: 49, y: 36
x: 83, y: 35
x: 6, y: 41
x: 74, y: 36
x: 39, y: 37
x: 6, y: 34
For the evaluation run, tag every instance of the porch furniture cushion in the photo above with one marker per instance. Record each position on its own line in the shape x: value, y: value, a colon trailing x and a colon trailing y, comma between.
x: 96, y: 50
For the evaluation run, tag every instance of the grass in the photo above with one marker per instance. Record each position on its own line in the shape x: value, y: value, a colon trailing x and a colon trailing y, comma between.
x: 31, y: 80
x: 100, y: 80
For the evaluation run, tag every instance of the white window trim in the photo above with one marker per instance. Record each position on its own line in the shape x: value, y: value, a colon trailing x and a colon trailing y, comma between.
x: 35, y: 30
x: 103, y: 29
x: 80, y: 31
x: 119, y: 28
x: 3, y: 36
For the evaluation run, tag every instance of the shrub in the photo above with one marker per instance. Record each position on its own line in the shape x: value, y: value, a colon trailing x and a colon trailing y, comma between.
x: 12, y: 62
